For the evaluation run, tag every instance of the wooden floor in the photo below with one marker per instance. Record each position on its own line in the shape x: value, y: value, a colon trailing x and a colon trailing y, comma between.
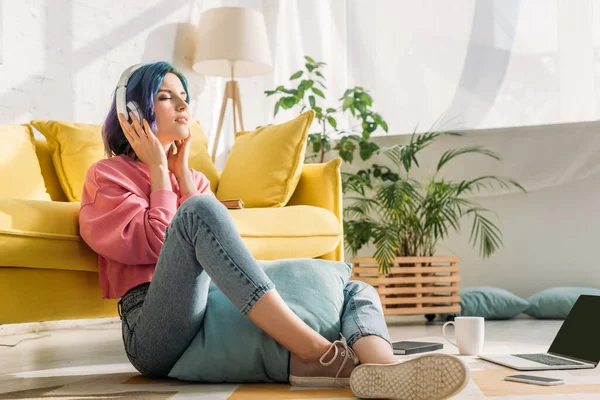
x: 67, y: 357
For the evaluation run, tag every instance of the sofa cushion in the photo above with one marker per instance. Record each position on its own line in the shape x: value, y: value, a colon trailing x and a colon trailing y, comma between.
x: 200, y: 159
x: 20, y: 174
x: 44, y: 156
x: 264, y: 166
x: 38, y: 234
x: 231, y: 348
x: 43, y: 234
x: 74, y: 147
x: 288, y: 232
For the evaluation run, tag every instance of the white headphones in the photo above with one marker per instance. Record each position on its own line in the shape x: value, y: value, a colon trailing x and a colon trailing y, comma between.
x: 121, y: 95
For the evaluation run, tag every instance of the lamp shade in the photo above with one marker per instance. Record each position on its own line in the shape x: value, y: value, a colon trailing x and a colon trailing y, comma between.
x: 232, y: 36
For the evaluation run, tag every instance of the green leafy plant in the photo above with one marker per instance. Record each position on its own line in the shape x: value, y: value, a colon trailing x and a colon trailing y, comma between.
x: 308, y: 93
x: 404, y: 217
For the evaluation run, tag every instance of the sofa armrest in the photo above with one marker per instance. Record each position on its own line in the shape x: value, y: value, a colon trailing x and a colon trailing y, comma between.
x: 320, y: 185
x: 48, y: 218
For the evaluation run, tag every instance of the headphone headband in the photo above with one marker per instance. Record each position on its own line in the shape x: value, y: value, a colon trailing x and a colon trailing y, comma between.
x: 121, y: 94
x: 127, y: 74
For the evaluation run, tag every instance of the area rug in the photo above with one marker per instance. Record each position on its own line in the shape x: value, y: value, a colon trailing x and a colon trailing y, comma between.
x: 484, y: 384
x: 121, y: 381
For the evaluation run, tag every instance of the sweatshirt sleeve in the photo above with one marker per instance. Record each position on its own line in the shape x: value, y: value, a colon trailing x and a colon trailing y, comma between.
x: 202, y: 186
x: 119, y: 222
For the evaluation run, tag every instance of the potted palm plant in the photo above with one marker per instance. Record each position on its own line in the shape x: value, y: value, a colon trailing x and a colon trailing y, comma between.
x: 405, y: 219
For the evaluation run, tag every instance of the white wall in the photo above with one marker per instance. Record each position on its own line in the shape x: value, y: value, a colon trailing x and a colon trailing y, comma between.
x: 552, y: 232
x: 63, y: 58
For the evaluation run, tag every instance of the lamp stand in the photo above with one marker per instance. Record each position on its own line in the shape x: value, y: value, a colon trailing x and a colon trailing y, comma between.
x: 232, y: 91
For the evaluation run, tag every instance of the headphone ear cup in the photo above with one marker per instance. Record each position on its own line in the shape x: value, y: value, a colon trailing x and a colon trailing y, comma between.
x: 135, y: 109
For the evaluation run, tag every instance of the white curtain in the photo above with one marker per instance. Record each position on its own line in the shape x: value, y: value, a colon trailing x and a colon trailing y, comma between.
x: 478, y: 64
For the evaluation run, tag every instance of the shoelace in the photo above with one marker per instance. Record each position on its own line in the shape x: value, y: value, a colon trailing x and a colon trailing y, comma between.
x: 346, y: 353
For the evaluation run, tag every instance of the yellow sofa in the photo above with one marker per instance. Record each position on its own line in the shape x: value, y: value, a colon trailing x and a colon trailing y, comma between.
x: 47, y: 272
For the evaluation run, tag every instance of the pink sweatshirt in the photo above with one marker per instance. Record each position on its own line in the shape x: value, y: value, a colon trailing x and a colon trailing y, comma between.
x: 125, y: 223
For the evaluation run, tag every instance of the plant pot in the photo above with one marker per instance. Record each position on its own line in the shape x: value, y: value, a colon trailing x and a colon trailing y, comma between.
x: 414, y: 285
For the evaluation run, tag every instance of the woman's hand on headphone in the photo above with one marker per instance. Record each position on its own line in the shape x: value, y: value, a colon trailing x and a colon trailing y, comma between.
x: 178, y: 163
x: 145, y: 144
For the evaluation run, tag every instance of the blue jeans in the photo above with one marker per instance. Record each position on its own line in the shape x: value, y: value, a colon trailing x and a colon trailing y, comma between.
x: 160, y: 319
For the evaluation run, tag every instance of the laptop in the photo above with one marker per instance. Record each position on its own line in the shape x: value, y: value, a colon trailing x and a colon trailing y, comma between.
x: 576, y: 346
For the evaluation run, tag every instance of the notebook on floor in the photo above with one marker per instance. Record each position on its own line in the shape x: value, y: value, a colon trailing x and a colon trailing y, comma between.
x: 576, y: 345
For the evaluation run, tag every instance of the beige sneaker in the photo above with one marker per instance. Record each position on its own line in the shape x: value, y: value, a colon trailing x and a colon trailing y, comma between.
x: 430, y: 377
x: 332, y: 369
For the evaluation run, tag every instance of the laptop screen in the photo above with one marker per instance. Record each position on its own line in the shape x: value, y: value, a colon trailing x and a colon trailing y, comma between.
x: 578, y: 336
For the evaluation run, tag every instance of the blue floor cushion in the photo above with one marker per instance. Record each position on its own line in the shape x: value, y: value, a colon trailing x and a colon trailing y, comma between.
x: 490, y: 303
x: 555, y: 303
x: 231, y: 348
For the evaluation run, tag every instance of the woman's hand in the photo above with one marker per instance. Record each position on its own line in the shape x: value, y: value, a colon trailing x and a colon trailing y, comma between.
x: 145, y: 144
x: 178, y: 163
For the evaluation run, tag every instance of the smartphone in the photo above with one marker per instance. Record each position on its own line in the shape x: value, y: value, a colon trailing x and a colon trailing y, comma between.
x: 535, y: 380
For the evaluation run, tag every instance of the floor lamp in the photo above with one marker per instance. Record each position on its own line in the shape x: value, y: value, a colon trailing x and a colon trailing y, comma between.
x: 231, y: 42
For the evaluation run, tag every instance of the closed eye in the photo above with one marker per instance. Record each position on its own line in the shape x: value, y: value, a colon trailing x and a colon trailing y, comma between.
x: 169, y: 98
x: 170, y: 92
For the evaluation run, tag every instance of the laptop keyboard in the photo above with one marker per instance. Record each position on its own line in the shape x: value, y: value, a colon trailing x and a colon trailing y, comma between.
x: 546, y: 359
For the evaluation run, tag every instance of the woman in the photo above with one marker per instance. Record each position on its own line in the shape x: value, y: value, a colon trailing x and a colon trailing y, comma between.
x: 161, y: 236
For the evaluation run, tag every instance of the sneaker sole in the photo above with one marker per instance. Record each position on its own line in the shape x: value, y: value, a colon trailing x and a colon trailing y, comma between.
x: 431, y: 377
x: 319, y: 381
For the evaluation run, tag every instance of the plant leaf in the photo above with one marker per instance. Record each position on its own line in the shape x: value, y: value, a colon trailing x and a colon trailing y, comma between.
x: 296, y: 75
x: 477, y: 183
x: 450, y: 154
x: 385, y: 242
x: 317, y: 92
x: 332, y: 122
x: 288, y: 102
x: 485, y: 232
x: 348, y: 102
x: 384, y: 125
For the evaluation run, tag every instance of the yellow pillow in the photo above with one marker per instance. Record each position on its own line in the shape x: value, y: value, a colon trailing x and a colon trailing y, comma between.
x: 200, y: 160
x: 264, y: 166
x: 74, y: 147
x: 20, y: 173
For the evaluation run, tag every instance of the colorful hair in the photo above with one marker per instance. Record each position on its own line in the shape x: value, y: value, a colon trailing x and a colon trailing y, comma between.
x: 142, y: 87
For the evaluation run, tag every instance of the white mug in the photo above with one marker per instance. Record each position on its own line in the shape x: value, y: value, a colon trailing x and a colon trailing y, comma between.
x: 469, y: 332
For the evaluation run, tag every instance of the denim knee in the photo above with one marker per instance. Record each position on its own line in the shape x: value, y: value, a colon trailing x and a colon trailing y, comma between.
x: 206, y: 207
x: 362, y: 314
x: 354, y: 287
x: 200, y: 204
